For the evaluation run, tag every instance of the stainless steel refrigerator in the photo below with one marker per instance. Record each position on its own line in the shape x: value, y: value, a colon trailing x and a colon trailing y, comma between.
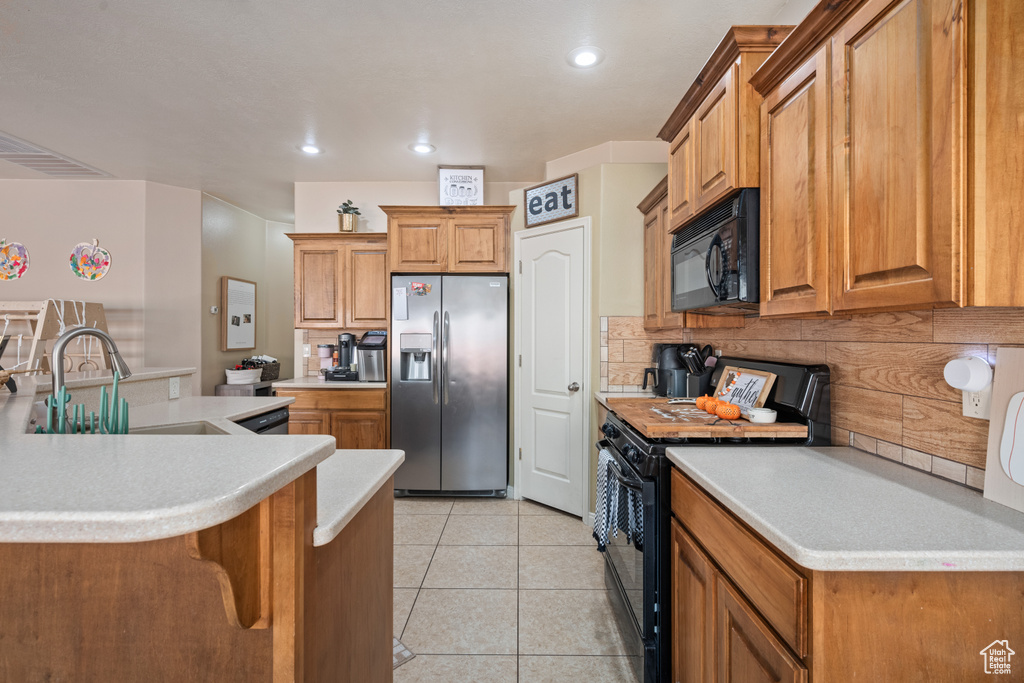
x: 449, y: 382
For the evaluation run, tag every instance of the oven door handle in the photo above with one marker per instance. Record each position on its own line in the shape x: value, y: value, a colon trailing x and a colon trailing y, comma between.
x: 628, y: 482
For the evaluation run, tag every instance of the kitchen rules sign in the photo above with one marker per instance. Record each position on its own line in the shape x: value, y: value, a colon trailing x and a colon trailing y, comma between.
x: 552, y: 201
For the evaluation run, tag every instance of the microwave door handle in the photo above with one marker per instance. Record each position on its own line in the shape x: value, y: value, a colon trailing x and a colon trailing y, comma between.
x: 716, y: 241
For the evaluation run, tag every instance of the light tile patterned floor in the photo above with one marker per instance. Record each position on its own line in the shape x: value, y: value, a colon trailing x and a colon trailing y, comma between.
x: 500, y: 590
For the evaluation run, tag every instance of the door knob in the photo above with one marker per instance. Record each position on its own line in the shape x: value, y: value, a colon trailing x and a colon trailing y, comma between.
x: 574, y: 387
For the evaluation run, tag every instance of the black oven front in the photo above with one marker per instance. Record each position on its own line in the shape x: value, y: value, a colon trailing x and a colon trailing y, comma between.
x: 635, y: 573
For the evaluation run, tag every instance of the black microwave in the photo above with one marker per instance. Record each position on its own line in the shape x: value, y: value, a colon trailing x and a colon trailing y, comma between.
x: 715, y: 258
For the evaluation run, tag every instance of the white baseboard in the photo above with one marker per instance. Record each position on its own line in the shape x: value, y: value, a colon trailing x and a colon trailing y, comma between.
x: 590, y: 519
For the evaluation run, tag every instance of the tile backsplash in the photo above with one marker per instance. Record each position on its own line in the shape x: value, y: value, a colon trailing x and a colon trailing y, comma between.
x: 888, y: 394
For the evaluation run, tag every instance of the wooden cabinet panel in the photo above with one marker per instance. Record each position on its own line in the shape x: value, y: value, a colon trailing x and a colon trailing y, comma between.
x: 778, y: 591
x: 897, y: 129
x: 366, y: 288
x: 317, y: 276
x: 746, y: 649
x: 693, y: 610
x: 308, y: 422
x: 680, y: 174
x: 653, y: 267
x: 477, y: 244
x: 418, y: 244
x: 358, y: 429
x: 795, y: 273
x: 714, y: 142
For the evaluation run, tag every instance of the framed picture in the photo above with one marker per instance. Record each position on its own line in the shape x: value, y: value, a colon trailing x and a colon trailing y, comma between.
x: 237, y: 314
x: 552, y: 201
x: 460, y: 185
x: 745, y: 388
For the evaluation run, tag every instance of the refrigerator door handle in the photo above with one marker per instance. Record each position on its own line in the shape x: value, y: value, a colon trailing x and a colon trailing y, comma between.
x: 434, y: 375
x: 444, y: 355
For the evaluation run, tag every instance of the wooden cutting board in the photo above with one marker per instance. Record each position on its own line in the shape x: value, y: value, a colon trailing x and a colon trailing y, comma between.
x: 656, y: 418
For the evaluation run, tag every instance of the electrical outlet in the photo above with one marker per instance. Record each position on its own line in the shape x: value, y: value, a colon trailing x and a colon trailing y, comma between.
x: 978, y: 403
x: 307, y: 350
x: 174, y: 387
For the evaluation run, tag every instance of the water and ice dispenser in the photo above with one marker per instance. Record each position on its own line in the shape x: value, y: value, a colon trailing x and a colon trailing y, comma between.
x: 416, y: 351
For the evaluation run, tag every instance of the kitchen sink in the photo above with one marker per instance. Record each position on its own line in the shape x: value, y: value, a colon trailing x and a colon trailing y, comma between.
x: 183, y: 429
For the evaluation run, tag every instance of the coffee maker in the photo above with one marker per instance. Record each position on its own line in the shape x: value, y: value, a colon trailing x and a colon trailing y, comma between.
x: 345, y: 370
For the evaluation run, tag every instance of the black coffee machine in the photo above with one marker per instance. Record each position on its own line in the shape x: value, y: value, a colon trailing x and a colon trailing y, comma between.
x: 345, y: 370
x: 680, y: 371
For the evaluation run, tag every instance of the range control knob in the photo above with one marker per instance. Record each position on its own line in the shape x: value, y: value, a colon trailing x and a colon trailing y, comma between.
x: 610, y: 430
x: 632, y: 452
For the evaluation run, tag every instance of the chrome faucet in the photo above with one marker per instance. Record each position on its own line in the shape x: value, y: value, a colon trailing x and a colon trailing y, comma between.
x: 57, y: 361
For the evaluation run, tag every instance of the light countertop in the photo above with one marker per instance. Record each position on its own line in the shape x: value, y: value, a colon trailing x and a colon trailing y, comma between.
x: 840, y: 509
x: 135, y: 487
x: 321, y: 383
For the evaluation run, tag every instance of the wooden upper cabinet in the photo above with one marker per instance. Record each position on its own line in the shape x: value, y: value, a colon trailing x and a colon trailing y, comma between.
x: 445, y: 239
x: 680, y: 174
x: 417, y: 243
x: 714, y: 142
x: 795, y: 220
x: 478, y: 244
x: 714, y: 132
x: 341, y: 280
x: 658, y: 312
x: 366, y: 269
x: 898, y: 90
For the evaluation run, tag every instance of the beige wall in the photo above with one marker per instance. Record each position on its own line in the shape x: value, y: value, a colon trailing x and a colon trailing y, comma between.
x: 173, y: 257
x: 242, y: 245
x: 152, y: 234
x: 316, y: 204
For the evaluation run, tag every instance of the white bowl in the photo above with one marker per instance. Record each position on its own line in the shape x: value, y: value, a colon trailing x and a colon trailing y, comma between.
x: 761, y: 415
x: 244, y: 376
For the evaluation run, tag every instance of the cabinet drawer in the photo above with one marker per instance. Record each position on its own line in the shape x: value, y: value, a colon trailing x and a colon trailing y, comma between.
x: 337, y: 399
x: 771, y: 585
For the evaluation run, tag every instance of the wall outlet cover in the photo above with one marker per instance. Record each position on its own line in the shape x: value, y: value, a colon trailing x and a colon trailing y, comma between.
x: 174, y: 387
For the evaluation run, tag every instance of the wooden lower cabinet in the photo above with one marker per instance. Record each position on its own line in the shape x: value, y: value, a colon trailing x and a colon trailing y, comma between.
x: 251, y: 600
x: 356, y: 418
x: 743, y: 612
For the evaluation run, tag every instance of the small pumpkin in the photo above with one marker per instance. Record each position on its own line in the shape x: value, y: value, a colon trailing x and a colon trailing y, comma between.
x: 711, y: 405
x: 701, y: 400
x: 727, y: 411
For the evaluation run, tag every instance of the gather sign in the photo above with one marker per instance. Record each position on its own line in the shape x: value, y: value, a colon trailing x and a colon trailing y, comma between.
x: 552, y: 201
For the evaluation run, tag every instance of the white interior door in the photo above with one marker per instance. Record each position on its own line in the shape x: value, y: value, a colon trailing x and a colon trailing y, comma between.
x: 552, y: 314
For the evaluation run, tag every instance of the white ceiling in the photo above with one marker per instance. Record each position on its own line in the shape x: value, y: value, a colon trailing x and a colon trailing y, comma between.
x: 216, y: 95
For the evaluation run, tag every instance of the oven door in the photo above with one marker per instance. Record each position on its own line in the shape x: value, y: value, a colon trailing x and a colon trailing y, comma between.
x: 631, y: 574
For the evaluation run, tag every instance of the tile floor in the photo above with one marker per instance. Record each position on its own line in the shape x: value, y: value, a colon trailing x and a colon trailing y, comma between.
x: 501, y: 591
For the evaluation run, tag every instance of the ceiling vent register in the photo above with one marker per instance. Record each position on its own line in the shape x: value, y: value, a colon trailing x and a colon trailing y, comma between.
x: 38, y: 159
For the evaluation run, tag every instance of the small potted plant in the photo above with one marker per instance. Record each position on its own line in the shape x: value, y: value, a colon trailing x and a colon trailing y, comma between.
x: 347, y: 217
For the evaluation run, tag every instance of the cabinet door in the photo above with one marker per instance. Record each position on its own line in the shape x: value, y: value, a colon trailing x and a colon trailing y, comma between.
x: 681, y: 183
x: 693, y: 610
x: 714, y: 142
x: 668, y: 317
x: 358, y: 429
x: 653, y: 268
x: 746, y: 651
x: 477, y: 244
x: 897, y: 134
x: 318, y: 276
x: 418, y: 244
x: 794, y: 192
x: 366, y: 287
x: 308, y: 422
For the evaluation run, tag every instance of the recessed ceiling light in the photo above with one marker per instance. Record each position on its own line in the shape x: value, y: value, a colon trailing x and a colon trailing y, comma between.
x: 585, y: 57
x: 310, y: 149
x: 422, y: 148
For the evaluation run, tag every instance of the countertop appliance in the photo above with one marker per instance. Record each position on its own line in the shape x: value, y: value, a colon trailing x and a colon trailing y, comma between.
x: 371, y: 356
x: 343, y: 371
x: 273, y: 422
x: 676, y: 375
x: 449, y: 383
x: 638, y: 575
x: 715, y: 258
